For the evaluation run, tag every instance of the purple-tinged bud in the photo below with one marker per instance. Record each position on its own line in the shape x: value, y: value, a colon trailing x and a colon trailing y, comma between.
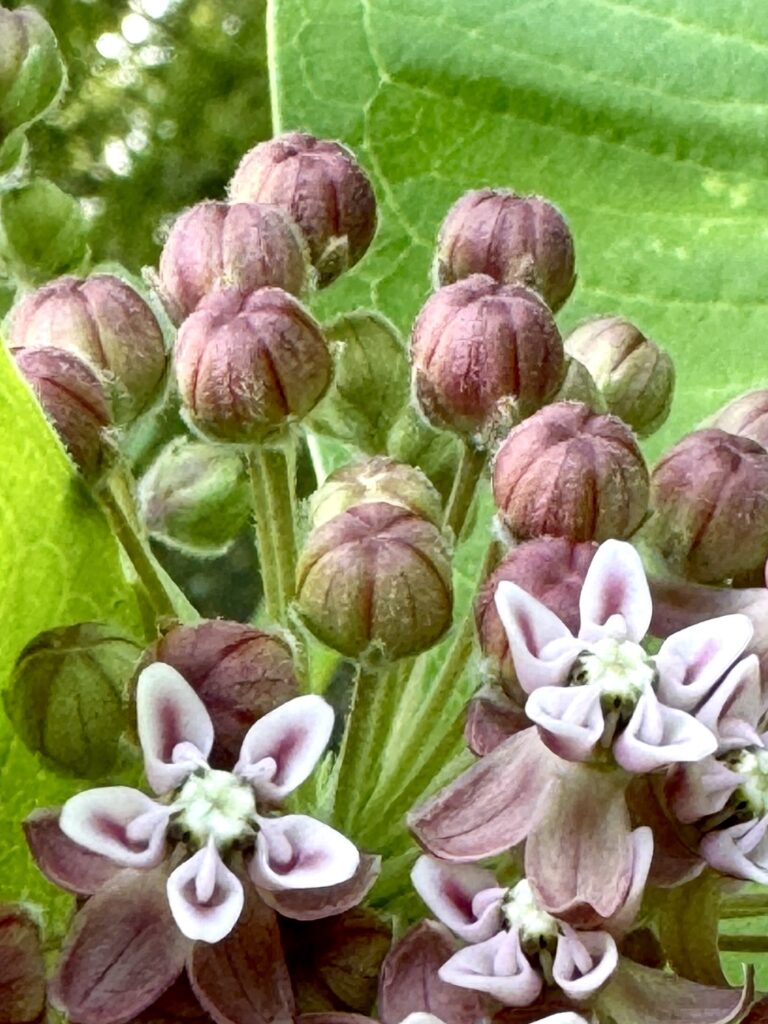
x: 709, y: 496
x: 324, y: 189
x: 239, y: 672
x: 578, y: 385
x: 31, y: 69
x: 109, y: 325
x: 375, y: 480
x: 22, y: 964
x: 746, y: 415
x: 514, y: 239
x: 375, y: 582
x: 484, y: 353
x: 244, y: 246
x: 73, y: 400
x: 570, y: 472
x: 247, y: 364
x: 635, y: 376
x: 551, y: 569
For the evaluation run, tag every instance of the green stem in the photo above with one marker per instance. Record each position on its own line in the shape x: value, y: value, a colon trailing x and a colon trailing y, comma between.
x: 743, y: 943
x: 470, y: 470
x: 744, y: 906
x: 272, y: 476
x: 262, y: 517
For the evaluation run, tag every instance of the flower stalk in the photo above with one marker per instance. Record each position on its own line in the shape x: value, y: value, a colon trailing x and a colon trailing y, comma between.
x: 471, y: 466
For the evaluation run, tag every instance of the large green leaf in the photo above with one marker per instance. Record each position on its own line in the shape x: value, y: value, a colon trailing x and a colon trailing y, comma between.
x: 58, y: 565
x: 645, y: 120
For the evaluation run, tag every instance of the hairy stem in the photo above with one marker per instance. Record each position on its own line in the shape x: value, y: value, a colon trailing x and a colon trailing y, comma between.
x: 470, y: 470
x: 272, y: 485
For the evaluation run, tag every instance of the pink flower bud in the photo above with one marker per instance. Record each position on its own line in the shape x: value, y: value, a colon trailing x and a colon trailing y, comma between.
x: 243, y: 246
x: 570, y: 472
x: 376, y: 581
x: 321, y: 185
x: 73, y: 400
x: 709, y: 496
x: 246, y: 364
x: 105, y: 322
x: 375, y: 480
x: 514, y: 239
x: 746, y: 415
x: 483, y: 352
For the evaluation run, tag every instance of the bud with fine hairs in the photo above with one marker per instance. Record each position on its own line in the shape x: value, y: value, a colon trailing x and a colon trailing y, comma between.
x: 435, y: 452
x: 221, y: 245
x: 195, y: 496
x: 709, y: 497
x: 324, y: 189
x: 31, y: 70
x: 484, y: 353
x: 374, y: 480
x: 248, y: 364
x: 514, y: 239
x: 43, y: 232
x: 108, y: 324
x: 570, y: 472
x: 578, y: 385
x: 375, y: 583
x: 635, y: 376
x: 746, y: 415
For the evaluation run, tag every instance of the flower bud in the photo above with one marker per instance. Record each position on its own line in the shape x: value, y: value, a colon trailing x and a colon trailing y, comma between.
x: 709, y: 496
x: 195, y: 496
x: 106, y: 323
x: 31, y: 69
x: 551, y: 569
x: 376, y: 480
x: 376, y: 581
x: 570, y: 472
x: 514, y: 239
x: 321, y: 185
x: 43, y: 232
x: 635, y: 376
x: 578, y: 385
x: 746, y: 415
x: 484, y: 352
x: 240, y: 673
x: 246, y: 364
x: 371, y: 383
x: 436, y: 452
x: 243, y: 246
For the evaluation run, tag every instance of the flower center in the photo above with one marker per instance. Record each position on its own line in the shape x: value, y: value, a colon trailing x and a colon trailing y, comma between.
x: 215, y: 805
x: 752, y: 764
x: 621, y: 669
x: 537, y: 929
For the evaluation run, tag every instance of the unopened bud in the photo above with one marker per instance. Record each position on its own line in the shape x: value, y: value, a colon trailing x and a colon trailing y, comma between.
x: 322, y: 186
x: 436, y: 452
x: 109, y: 325
x: 484, y: 353
x: 635, y: 376
x: 375, y: 582
x: 247, y: 364
x: 73, y: 400
x: 31, y: 69
x: 375, y: 480
x: 578, y: 385
x: 195, y: 496
x: 709, y: 496
x: 244, y: 246
x: 570, y: 472
x: 240, y: 673
x: 514, y: 239
x: 43, y: 232
x: 371, y: 383
x: 746, y: 415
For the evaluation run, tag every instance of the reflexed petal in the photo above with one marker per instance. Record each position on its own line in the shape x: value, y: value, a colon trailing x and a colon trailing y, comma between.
x: 735, y: 706
x: 497, y: 966
x: 175, y: 730
x: 63, y: 862
x: 299, y: 852
x: 740, y: 851
x: 570, y: 718
x: 691, y: 662
x: 563, y: 1018
x: 657, y: 735
x: 205, y: 897
x: 491, y: 719
x: 313, y: 904
x: 117, y: 822
x: 697, y: 790
x: 615, y: 599
x: 450, y: 892
x: 22, y: 967
x: 281, y: 750
x: 583, y: 962
x: 542, y: 647
x: 642, y: 857
x: 675, y: 857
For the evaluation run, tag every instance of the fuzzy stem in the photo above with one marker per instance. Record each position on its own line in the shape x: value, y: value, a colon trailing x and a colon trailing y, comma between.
x: 271, y: 472
x: 743, y: 944
x: 470, y: 470
x: 744, y: 906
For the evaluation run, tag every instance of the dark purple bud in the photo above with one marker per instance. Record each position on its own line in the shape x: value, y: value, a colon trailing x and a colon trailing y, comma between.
x: 376, y: 479
x: 514, y: 239
x: 321, y: 185
x: 746, y: 415
x: 22, y: 968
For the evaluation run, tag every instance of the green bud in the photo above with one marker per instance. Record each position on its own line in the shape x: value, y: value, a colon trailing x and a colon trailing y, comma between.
x: 371, y: 384
x: 377, y: 479
x: 195, y: 496
x: 578, y: 385
x: 31, y: 70
x: 14, y: 150
x: 66, y: 696
x: 43, y: 231
x: 435, y: 452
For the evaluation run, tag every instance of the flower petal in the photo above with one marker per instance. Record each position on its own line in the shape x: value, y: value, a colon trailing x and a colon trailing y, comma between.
x: 491, y: 719
x: 697, y: 790
x: 740, y: 851
x: 281, y: 750
x: 492, y: 805
x: 675, y: 857
x: 584, y: 961
x: 657, y: 735
x: 736, y: 706
x: 313, y: 904
x: 205, y: 897
x: 22, y: 967
x: 692, y: 661
x: 450, y: 892
x: 497, y: 966
x: 570, y: 719
x: 542, y: 647
x: 642, y: 857
x: 63, y: 862
x: 117, y: 822
x: 175, y: 730
x: 299, y: 852
x: 615, y: 599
